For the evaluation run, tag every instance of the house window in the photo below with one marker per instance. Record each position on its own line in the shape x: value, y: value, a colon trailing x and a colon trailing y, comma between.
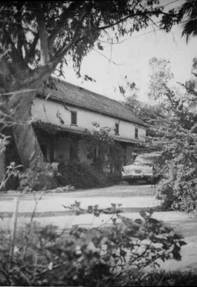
x: 116, y: 129
x: 136, y: 133
x: 146, y: 133
x: 73, y: 118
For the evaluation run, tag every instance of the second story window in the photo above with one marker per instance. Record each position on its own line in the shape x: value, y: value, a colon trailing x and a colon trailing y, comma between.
x: 136, y: 133
x: 116, y: 129
x: 73, y: 118
x: 147, y: 133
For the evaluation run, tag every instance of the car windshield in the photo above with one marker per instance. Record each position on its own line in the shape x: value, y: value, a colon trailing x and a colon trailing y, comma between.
x: 142, y: 162
x: 145, y: 159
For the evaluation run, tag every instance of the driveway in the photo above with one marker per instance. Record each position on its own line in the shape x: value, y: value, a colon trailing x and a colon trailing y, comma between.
x: 50, y: 210
x: 131, y: 198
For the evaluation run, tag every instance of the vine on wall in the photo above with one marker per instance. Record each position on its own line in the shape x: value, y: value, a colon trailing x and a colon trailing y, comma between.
x: 106, y: 154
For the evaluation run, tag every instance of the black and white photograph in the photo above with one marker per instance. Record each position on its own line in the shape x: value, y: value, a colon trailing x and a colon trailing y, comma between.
x: 98, y: 143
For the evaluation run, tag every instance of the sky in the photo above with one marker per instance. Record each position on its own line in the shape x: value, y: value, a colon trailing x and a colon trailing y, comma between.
x: 131, y: 58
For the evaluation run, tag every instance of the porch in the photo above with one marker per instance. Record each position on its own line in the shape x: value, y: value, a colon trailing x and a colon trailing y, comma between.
x: 63, y: 145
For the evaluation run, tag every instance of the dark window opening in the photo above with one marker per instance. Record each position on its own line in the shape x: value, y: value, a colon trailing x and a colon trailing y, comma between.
x: 116, y: 129
x: 147, y: 133
x: 44, y: 150
x: 11, y: 152
x: 136, y: 133
x: 96, y: 152
x: 48, y: 152
x: 73, y: 153
x: 51, y: 153
x: 73, y: 118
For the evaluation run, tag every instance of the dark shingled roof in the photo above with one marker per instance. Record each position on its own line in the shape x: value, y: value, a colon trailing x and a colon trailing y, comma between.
x: 79, y: 97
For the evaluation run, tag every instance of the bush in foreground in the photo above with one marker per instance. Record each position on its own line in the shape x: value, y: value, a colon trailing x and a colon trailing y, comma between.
x: 114, y: 255
x: 162, y: 278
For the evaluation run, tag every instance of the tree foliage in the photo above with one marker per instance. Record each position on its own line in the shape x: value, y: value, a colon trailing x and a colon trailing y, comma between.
x: 189, y: 11
x: 112, y: 255
x: 160, y: 76
x: 36, y: 37
x: 185, y: 14
x: 178, y: 141
x: 172, y: 129
x: 105, y: 153
x: 152, y: 115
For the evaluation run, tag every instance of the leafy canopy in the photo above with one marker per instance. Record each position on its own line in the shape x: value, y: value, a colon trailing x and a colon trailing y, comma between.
x: 177, y: 138
x: 36, y: 37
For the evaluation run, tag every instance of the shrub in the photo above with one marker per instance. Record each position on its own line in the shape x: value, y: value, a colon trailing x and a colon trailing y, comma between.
x: 81, y: 175
x: 39, y: 178
x: 174, y: 132
x: 162, y: 278
x: 103, y: 256
x: 11, y: 177
x: 105, y: 153
x: 179, y: 184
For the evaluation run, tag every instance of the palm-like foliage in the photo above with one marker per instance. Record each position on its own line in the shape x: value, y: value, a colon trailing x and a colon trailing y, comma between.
x: 189, y: 10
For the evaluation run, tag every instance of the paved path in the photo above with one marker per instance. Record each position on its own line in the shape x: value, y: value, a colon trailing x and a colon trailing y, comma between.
x: 130, y: 197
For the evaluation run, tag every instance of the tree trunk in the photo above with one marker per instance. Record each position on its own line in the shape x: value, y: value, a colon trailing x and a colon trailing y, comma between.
x: 24, y: 135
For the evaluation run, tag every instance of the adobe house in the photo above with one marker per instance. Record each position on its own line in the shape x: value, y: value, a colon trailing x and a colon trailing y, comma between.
x: 59, y: 117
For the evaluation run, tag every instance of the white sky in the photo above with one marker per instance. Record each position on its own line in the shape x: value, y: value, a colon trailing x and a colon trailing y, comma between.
x: 132, y: 57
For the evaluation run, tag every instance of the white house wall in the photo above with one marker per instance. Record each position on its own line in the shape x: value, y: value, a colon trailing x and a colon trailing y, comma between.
x: 56, y: 113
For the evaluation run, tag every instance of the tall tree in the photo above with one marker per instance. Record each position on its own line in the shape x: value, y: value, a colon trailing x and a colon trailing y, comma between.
x: 172, y: 129
x: 177, y: 140
x: 37, y: 37
x: 152, y: 114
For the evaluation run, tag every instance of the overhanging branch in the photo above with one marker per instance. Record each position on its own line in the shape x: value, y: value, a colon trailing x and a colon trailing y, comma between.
x: 131, y: 15
x: 31, y: 51
x: 43, y: 35
x: 60, y: 25
x: 76, y: 38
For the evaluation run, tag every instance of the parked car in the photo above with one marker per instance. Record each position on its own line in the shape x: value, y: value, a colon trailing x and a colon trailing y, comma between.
x: 143, y: 168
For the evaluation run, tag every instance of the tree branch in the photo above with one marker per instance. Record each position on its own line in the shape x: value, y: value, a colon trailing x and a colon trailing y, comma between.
x: 43, y: 35
x: 4, y: 53
x: 107, y: 58
x: 16, y: 55
x: 39, y: 75
x: 20, y: 32
x: 131, y: 15
x: 31, y: 51
x: 17, y: 92
x: 46, y: 70
x: 60, y: 54
x: 60, y: 25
